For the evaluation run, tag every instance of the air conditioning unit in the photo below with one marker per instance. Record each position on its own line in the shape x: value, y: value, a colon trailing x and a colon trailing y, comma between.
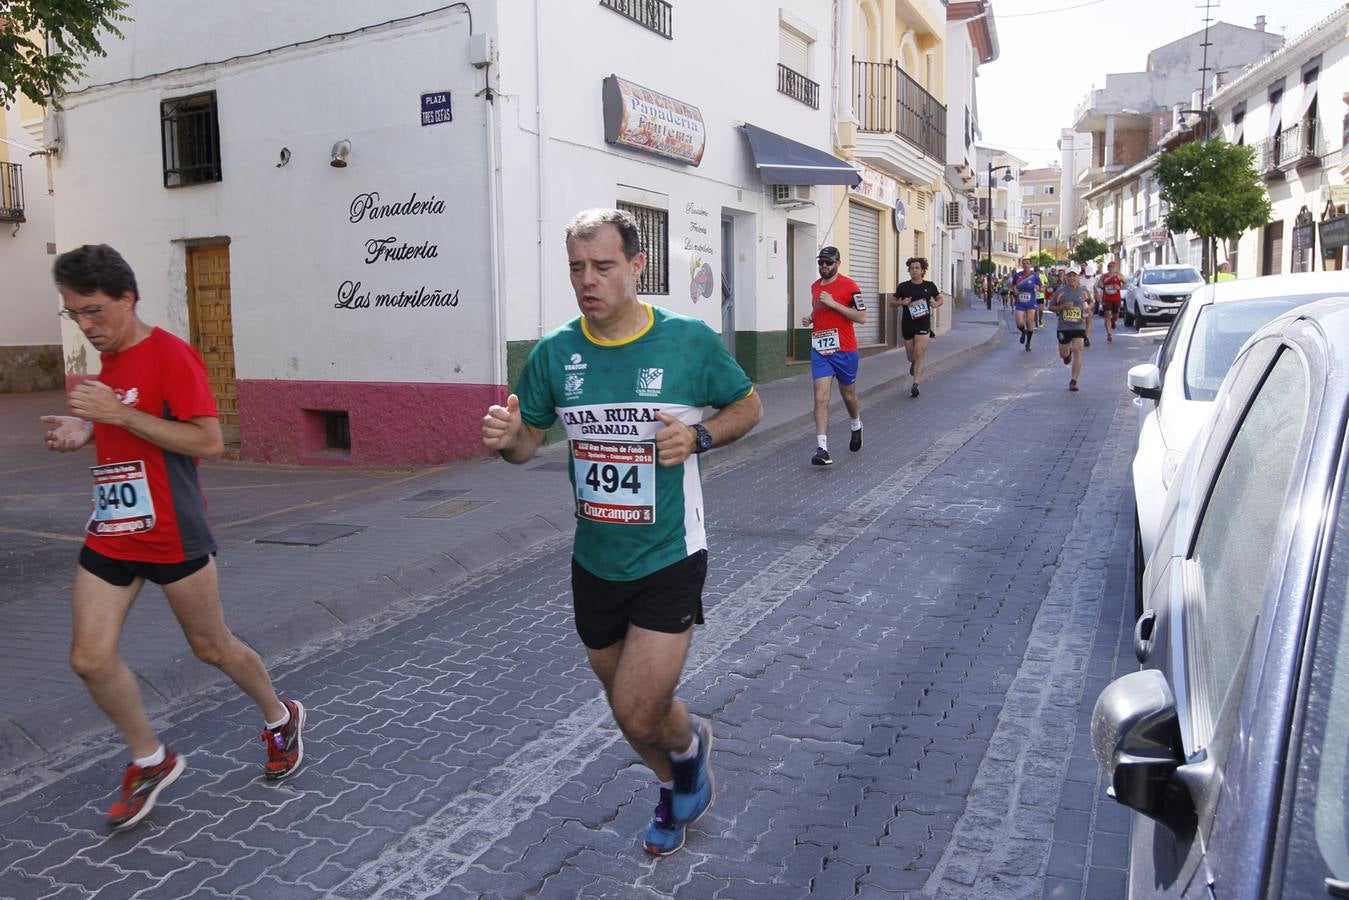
x: 52, y: 130
x: 792, y: 195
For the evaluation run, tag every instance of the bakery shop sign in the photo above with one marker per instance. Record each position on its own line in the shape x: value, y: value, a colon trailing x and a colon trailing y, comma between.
x: 641, y: 119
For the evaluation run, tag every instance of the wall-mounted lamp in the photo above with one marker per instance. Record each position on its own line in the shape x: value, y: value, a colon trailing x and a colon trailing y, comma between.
x: 341, y: 150
x: 285, y: 157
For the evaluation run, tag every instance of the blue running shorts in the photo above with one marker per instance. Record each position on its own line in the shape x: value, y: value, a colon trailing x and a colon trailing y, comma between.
x: 841, y: 364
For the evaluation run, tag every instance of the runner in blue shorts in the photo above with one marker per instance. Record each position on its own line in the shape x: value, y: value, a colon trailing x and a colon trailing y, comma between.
x: 1024, y: 285
x: 836, y: 305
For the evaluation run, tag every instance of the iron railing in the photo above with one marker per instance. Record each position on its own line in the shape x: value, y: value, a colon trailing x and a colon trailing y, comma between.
x: 11, y: 193
x: 1292, y: 147
x: 886, y: 99
x: 798, y: 87
x: 654, y: 227
x: 655, y: 15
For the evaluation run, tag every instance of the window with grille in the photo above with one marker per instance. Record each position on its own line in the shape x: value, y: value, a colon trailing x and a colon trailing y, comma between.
x: 654, y: 225
x: 190, y: 134
x: 953, y: 214
x: 920, y: 200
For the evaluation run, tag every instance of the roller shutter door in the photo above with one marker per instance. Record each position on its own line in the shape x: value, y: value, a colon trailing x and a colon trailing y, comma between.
x: 863, y: 266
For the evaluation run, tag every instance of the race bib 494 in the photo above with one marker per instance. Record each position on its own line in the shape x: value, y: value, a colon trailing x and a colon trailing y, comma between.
x: 615, y: 481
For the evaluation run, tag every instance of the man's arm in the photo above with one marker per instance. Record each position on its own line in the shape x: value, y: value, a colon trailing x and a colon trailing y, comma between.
x: 68, y: 433
x: 198, y: 437
x: 852, y: 314
x: 510, y: 436
x: 675, y: 442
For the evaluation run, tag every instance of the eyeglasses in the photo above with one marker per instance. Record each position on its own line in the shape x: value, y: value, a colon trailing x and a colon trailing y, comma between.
x: 89, y: 312
x: 826, y: 262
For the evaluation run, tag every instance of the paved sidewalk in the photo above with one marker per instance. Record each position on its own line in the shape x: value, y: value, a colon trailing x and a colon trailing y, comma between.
x: 306, y: 552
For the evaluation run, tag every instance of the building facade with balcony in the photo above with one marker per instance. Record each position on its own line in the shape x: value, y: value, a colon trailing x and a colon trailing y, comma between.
x: 893, y: 125
x: 1127, y: 117
x: 1040, y: 211
x: 971, y: 41
x: 358, y: 217
x: 1293, y: 109
x: 999, y: 208
x: 30, y: 342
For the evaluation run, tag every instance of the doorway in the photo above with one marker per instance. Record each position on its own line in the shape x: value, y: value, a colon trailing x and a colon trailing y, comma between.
x: 728, y: 283
x: 211, y: 324
x: 1271, y: 262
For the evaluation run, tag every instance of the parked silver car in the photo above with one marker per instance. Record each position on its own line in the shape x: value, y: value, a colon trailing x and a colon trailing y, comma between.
x: 1232, y: 743
x: 1156, y: 293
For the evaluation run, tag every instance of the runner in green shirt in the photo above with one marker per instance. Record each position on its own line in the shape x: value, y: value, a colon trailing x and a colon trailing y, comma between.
x: 629, y: 382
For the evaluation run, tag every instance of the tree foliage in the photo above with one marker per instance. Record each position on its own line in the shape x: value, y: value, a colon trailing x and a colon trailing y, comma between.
x: 985, y: 267
x: 1089, y: 248
x: 1212, y: 189
x: 1042, y: 258
x: 72, y: 29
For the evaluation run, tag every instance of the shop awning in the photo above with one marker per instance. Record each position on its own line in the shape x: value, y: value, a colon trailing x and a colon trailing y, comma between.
x: 782, y: 160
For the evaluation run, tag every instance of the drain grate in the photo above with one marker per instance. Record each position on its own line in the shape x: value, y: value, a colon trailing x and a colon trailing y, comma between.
x: 434, y: 494
x: 448, y: 510
x: 314, y: 534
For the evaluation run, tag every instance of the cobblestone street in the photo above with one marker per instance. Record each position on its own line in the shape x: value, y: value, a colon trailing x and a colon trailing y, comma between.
x: 900, y: 660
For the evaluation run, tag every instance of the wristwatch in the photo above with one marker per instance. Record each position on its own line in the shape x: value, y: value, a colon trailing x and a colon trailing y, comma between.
x: 703, y: 439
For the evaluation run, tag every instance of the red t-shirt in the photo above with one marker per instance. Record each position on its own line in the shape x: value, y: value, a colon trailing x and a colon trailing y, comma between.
x: 148, y: 505
x: 845, y: 291
x: 1110, y: 287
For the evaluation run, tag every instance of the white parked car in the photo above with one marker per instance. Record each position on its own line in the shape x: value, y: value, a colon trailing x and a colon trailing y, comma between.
x: 1157, y: 292
x: 1174, y: 393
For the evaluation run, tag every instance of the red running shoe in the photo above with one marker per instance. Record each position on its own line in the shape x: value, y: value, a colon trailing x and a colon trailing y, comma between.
x: 285, y: 749
x: 1072, y: 385
x: 140, y: 789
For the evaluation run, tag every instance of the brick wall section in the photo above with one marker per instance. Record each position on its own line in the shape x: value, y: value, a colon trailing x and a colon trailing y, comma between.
x: 31, y: 368
x: 1131, y: 146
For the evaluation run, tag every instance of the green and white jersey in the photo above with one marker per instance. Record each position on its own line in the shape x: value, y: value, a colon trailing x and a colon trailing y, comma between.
x: 634, y: 516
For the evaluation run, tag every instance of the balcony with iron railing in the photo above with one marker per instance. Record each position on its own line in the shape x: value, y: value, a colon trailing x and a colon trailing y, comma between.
x: 900, y: 126
x: 655, y: 15
x: 11, y: 193
x: 1293, y: 148
x: 798, y: 87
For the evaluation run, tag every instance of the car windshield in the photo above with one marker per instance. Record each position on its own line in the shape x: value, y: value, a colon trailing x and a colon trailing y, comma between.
x: 1219, y: 332
x: 1171, y: 276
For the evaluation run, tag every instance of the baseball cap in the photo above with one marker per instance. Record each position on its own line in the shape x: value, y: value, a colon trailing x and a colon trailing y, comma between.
x: 829, y: 254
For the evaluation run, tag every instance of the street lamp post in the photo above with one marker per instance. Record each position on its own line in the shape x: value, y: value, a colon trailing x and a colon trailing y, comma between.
x: 1009, y: 177
x: 1039, y: 216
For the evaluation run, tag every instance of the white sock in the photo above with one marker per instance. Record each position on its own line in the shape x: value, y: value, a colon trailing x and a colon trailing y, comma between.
x: 856, y: 424
x: 273, y: 726
x: 688, y: 754
x: 153, y: 759
x: 823, y: 441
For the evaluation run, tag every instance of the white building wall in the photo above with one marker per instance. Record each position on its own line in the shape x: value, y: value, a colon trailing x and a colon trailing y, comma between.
x: 28, y: 301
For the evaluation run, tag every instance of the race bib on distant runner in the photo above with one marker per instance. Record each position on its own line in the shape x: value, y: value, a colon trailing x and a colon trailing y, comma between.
x: 615, y: 481
x: 1025, y: 298
x: 825, y: 342
x: 917, y: 308
x: 1072, y: 315
x: 121, y: 503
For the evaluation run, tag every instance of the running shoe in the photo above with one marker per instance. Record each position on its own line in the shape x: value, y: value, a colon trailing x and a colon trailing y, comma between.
x: 285, y: 749
x: 855, y: 441
x: 913, y: 391
x: 1109, y: 338
x: 821, y: 458
x: 693, y: 785
x: 664, y: 835
x: 1086, y: 342
x: 1072, y: 384
x: 1067, y: 360
x: 140, y: 789
x: 1019, y: 340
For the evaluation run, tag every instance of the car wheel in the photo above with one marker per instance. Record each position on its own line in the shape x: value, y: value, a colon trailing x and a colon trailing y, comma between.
x: 1128, y: 316
x: 1138, y: 569
x: 1140, y: 321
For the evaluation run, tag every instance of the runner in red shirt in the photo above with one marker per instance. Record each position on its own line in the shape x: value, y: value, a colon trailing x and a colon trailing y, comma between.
x: 836, y: 304
x: 1109, y: 291
x: 150, y: 414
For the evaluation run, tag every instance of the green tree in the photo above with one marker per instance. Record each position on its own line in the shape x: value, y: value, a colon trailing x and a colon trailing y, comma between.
x: 1212, y: 190
x: 1089, y: 248
x: 1042, y: 258
x: 72, y: 29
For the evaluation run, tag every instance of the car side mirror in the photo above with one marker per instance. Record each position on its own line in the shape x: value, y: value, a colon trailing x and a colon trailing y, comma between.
x: 1146, y: 381
x: 1135, y: 732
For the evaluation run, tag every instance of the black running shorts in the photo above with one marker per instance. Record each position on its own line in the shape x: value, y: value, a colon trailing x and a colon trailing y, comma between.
x: 1067, y: 337
x: 669, y: 600
x: 122, y: 572
x: 911, y: 328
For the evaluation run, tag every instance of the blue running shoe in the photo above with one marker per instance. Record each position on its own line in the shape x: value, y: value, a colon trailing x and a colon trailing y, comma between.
x: 663, y: 836
x: 693, y: 778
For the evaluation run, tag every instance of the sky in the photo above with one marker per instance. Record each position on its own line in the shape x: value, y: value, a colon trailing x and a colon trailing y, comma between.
x: 1052, y: 52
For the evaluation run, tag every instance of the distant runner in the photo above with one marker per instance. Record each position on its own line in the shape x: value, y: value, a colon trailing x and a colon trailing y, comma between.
x: 916, y: 298
x: 1109, y: 287
x: 1073, y: 305
x: 836, y: 306
x: 1024, y: 285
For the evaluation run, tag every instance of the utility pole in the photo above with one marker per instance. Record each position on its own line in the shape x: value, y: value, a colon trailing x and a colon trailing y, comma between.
x: 1206, y: 265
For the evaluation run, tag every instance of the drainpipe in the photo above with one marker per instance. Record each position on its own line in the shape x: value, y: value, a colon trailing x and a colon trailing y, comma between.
x: 495, y: 234
x: 541, y: 156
